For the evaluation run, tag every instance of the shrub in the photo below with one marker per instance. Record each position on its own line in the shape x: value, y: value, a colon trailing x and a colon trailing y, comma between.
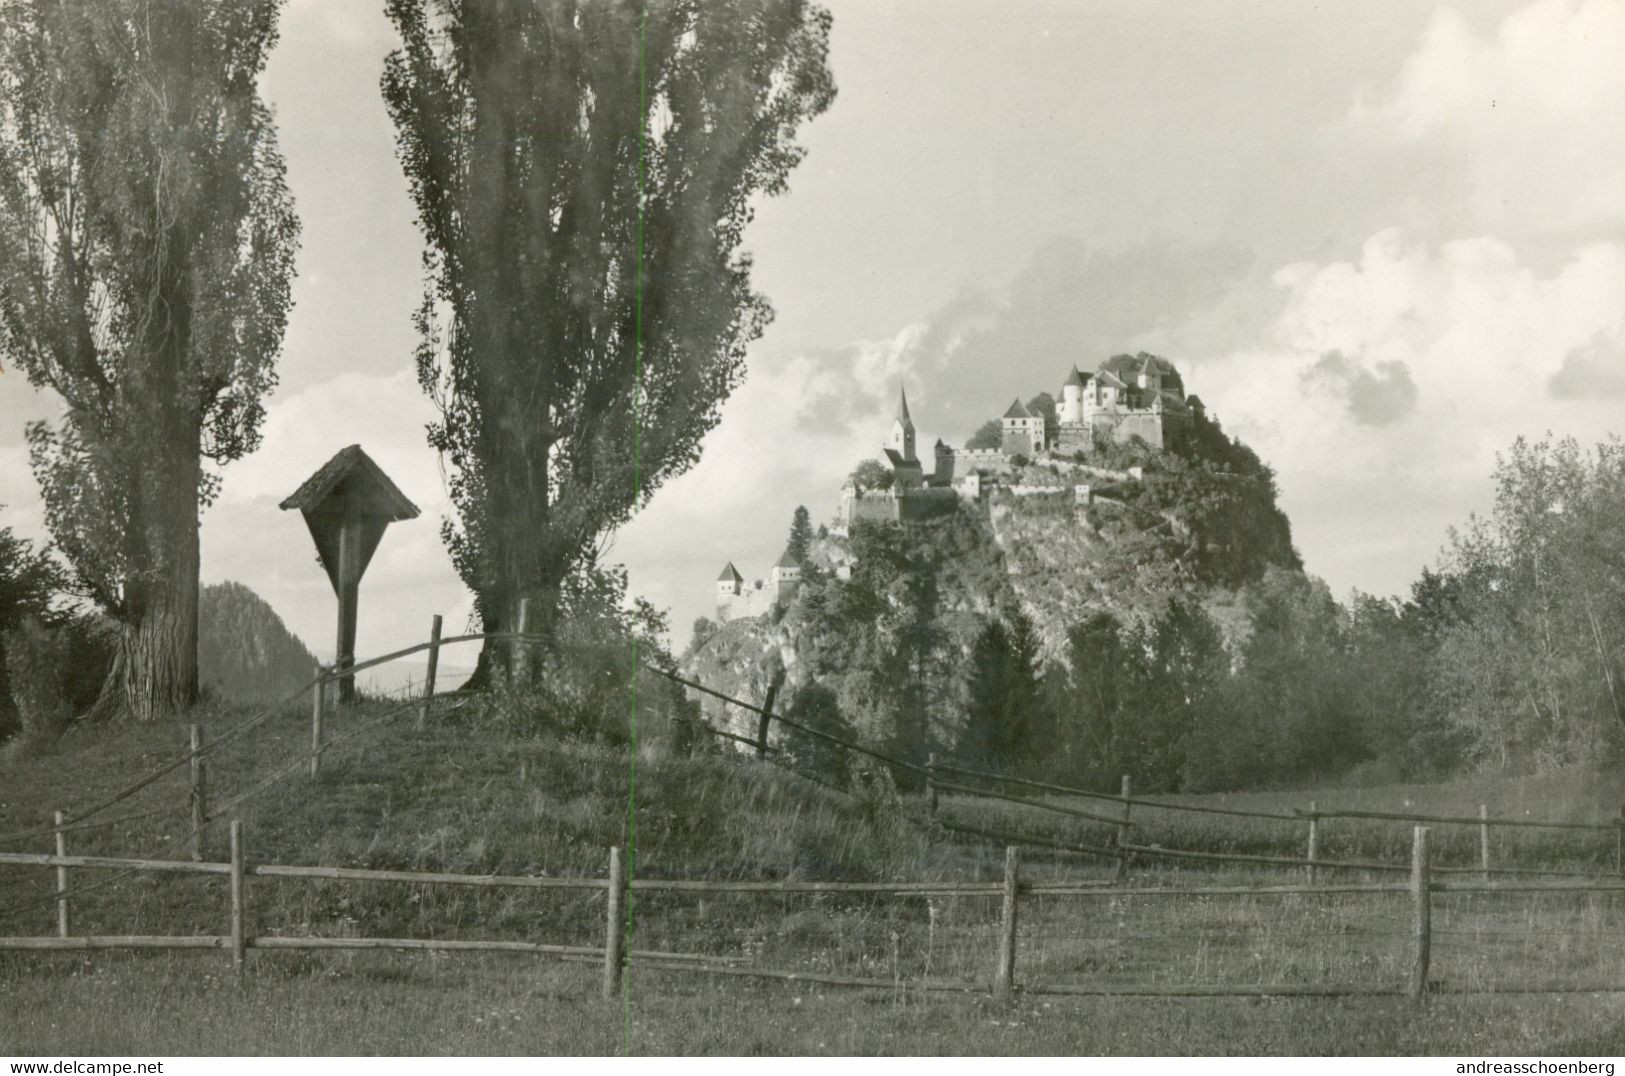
x: 817, y: 707
x: 36, y: 663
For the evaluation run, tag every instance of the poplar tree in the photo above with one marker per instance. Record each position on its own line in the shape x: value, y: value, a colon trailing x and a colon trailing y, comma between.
x: 583, y: 174
x: 146, y: 250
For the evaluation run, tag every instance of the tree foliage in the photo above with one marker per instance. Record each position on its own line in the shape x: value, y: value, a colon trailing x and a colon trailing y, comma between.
x: 30, y: 581
x: 801, y: 534
x: 146, y: 250
x: 583, y: 175
x: 1527, y: 611
x: 1002, y: 725
x: 989, y: 434
x: 817, y: 707
x: 871, y: 474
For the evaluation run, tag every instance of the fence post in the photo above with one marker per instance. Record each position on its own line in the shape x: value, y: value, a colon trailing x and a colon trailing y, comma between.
x: 1422, y: 902
x: 931, y: 785
x: 200, y: 803
x: 521, y: 646
x: 61, y: 879
x: 316, y: 722
x: 239, y: 937
x: 1619, y: 844
x: 1314, y: 840
x: 1005, y: 975
x: 766, y: 717
x: 1484, y: 841
x: 428, y: 678
x: 615, y: 926
x: 1122, y: 831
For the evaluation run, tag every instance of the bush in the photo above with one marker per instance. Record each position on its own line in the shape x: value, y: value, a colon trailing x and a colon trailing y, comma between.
x: 816, y: 707
x: 36, y: 664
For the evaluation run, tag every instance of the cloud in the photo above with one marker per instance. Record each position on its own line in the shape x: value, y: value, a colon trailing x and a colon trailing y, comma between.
x: 1594, y: 370
x: 248, y: 539
x: 799, y: 424
x: 1529, y: 114
x: 1377, y: 397
x: 1070, y: 303
x: 787, y: 437
x: 1386, y: 383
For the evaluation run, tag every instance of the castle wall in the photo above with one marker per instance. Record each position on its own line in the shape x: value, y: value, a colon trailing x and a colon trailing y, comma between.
x: 1074, y: 436
x: 957, y: 464
x: 878, y: 505
x: 753, y: 600
x: 922, y: 504
x: 1022, y: 438
x: 1120, y: 426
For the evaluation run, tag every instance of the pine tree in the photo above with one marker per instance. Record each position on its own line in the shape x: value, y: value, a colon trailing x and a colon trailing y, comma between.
x: 801, y: 534
x: 816, y: 707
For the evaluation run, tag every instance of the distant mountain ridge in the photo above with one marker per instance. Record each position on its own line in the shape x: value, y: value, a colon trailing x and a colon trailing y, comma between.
x: 245, y: 652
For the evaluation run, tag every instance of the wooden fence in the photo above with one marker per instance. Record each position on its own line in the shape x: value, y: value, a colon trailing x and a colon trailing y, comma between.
x: 614, y: 952
x: 1118, y: 846
x: 1117, y: 817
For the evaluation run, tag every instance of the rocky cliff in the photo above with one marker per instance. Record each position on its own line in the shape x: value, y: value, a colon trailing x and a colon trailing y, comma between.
x: 890, y: 609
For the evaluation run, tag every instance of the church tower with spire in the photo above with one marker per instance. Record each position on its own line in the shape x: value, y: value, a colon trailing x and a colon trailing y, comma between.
x: 902, y: 430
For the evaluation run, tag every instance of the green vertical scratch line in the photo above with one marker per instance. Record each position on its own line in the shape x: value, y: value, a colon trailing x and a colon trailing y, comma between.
x: 637, y: 491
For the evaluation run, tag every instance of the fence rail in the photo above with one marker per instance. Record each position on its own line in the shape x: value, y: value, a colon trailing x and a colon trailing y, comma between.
x: 1422, y: 885
x: 615, y: 955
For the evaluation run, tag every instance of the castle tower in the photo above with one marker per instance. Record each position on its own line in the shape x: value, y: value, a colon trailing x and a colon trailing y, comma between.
x: 1022, y: 431
x: 785, y: 576
x: 902, y: 430
x: 729, y: 585
x: 1071, y: 409
x: 1149, y: 378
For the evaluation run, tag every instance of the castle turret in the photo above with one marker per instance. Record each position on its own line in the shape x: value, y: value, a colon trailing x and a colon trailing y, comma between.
x: 1022, y: 430
x: 730, y: 601
x: 730, y: 582
x: 902, y: 430
x: 785, y: 576
x: 1071, y: 409
x: 1149, y: 378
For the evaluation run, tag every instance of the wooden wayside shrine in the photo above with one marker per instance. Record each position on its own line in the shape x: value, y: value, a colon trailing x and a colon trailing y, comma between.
x: 347, y: 504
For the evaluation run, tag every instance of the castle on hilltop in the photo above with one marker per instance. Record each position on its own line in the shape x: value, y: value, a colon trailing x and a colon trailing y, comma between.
x: 1130, y: 397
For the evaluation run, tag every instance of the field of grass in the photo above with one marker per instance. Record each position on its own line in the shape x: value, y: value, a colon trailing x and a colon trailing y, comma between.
x: 463, y: 796
x: 128, y: 1006
x: 1559, y: 797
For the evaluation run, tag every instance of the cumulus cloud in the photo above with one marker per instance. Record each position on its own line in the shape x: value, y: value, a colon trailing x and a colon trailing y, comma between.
x: 799, y: 424
x: 788, y: 437
x: 1529, y: 112
x: 1594, y: 370
x: 248, y: 539
x: 1070, y: 303
x: 1387, y: 382
x: 1377, y: 396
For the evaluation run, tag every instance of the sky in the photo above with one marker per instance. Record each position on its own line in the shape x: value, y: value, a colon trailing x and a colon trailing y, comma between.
x: 1380, y: 239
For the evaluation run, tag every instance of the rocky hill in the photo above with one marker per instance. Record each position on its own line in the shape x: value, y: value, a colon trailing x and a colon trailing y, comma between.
x: 890, y: 609
x: 245, y: 652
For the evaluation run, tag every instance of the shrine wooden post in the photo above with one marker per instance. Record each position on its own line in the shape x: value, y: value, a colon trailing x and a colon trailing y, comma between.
x: 347, y: 504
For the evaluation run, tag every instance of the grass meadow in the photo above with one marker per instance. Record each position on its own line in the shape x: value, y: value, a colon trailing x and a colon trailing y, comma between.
x: 464, y: 796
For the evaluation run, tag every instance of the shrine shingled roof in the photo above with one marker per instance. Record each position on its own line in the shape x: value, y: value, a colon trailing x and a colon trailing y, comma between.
x: 352, y: 467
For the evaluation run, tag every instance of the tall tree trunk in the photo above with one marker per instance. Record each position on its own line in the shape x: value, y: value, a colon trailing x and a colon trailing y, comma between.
x: 154, y: 670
